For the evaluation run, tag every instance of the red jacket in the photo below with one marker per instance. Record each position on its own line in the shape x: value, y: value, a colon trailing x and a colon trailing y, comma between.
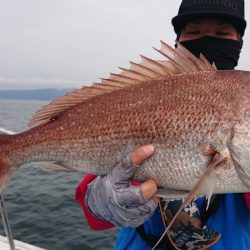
x: 99, y: 224
x: 94, y: 222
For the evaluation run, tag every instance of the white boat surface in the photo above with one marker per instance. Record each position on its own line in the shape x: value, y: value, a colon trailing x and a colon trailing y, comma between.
x: 19, y: 245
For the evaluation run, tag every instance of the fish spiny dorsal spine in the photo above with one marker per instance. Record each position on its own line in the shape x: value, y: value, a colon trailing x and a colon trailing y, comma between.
x: 180, y: 61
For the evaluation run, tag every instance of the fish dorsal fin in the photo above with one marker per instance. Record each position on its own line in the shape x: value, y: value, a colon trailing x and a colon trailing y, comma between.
x: 179, y: 61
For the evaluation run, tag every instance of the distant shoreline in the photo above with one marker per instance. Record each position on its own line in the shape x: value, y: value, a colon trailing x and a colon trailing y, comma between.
x: 2, y: 100
x: 33, y: 94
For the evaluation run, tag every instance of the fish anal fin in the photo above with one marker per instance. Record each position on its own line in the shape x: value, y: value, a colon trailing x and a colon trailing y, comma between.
x: 53, y: 167
x: 171, y: 194
x: 202, y: 187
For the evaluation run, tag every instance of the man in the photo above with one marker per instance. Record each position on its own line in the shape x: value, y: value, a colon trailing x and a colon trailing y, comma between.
x: 215, y: 29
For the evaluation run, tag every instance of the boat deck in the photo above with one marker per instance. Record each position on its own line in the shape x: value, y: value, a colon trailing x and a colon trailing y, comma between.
x: 19, y: 245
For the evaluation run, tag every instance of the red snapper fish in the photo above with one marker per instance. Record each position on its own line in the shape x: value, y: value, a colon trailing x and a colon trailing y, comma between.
x: 198, y: 119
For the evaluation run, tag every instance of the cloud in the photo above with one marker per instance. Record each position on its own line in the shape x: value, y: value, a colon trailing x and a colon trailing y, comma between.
x: 75, y: 42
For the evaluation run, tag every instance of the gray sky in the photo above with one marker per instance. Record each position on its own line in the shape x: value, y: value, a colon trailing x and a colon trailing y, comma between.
x: 70, y: 43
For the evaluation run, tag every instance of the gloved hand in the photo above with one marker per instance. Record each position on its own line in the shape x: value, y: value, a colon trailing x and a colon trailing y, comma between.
x: 111, y: 197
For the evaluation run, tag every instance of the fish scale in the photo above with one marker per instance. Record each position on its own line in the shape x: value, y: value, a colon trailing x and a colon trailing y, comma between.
x: 186, y: 116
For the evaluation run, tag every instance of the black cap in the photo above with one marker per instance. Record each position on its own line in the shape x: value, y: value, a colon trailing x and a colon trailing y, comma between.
x: 232, y: 11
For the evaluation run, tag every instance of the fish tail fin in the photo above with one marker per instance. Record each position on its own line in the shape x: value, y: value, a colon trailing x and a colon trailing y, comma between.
x: 5, y: 166
x: 5, y: 173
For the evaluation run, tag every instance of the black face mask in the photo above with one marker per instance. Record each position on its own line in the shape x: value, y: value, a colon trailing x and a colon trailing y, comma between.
x: 224, y: 53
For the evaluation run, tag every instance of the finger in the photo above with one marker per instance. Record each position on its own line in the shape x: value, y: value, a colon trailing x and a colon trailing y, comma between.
x: 122, y: 172
x: 125, y: 169
x: 148, y: 189
x: 142, y: 153
x: 134, y: 196
x: 129, y: 196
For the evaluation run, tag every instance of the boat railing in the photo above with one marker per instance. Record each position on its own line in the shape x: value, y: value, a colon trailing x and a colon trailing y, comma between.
x: 6, y: 223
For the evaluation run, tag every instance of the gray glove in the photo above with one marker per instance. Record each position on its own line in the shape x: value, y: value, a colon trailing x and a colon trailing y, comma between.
x: 111, y: 197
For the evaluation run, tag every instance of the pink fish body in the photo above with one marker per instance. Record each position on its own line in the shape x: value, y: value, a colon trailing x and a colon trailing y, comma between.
x: 183, y: 106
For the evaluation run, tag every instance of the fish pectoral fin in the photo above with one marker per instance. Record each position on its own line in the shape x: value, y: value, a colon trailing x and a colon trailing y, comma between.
x: 171, y: 194
x: 52, y: 167
x: 202, y: 187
